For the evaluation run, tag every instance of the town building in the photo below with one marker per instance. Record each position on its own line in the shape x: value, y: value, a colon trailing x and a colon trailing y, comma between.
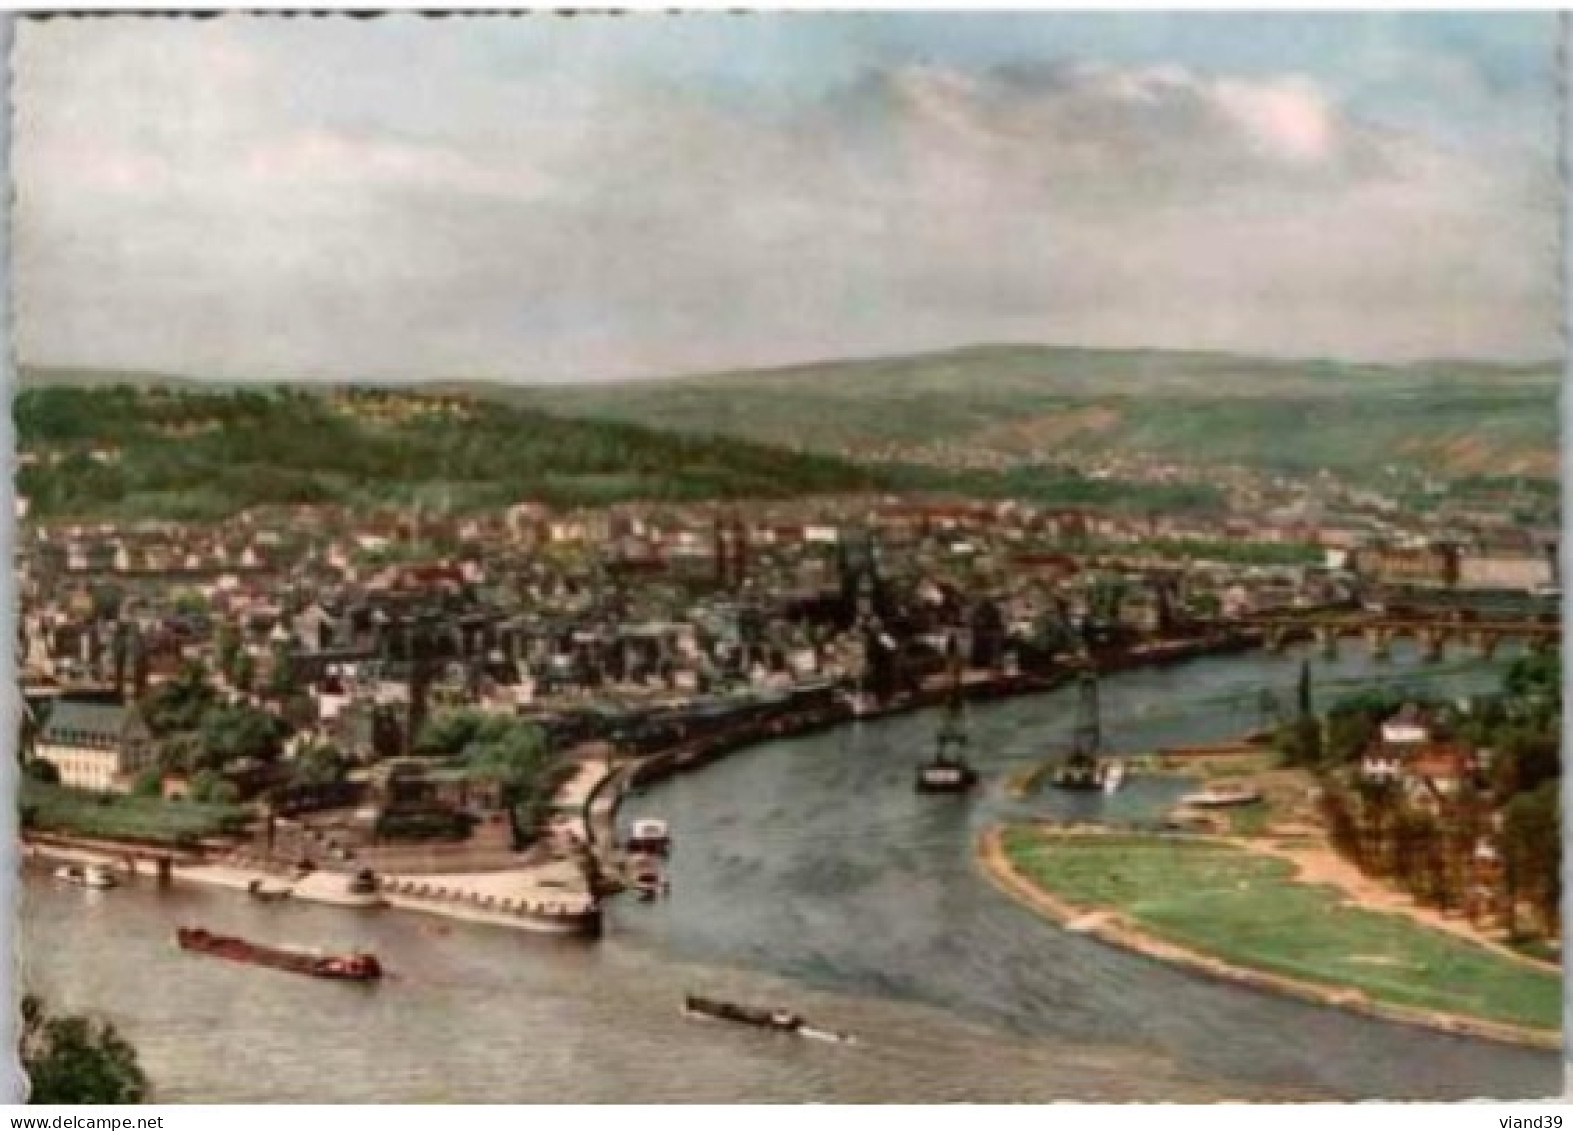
x: 96, y: 745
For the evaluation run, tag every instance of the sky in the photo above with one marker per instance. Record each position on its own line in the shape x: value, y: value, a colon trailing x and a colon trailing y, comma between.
x: 591, y: 198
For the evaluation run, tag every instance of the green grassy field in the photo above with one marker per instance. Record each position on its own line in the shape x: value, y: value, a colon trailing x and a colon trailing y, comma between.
x: 53, y: 808
x: 1247, y: 910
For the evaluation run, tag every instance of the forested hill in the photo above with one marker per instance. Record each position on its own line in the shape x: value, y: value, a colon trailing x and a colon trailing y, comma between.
x: 173, y: 452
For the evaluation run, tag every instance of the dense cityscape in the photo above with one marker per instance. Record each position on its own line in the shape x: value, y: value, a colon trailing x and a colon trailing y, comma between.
x: 441, y: 711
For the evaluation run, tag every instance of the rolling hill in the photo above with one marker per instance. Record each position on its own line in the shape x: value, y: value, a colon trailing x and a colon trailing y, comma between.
x: 927, y: 421
x: 176, y: 451
x: 1046, y: 404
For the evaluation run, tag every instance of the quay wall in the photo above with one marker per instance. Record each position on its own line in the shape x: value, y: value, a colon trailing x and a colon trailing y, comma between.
x: 406, y: 891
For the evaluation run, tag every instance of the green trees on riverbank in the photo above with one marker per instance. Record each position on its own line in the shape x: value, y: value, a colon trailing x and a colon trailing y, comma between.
x: 1471, y: 823
x: 72, y: 1059
x: 511, y: 752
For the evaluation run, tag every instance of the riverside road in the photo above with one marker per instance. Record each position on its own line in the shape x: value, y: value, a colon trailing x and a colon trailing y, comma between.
x: 805, y: 873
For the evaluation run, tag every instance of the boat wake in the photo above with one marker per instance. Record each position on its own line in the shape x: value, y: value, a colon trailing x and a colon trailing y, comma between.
x: 827, y: 1036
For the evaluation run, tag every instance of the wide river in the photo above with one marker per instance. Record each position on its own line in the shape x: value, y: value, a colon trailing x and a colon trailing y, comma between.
x: 805, y: 873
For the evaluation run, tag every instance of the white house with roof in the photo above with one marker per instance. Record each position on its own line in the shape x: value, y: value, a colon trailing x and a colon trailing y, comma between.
x: 96, y: 746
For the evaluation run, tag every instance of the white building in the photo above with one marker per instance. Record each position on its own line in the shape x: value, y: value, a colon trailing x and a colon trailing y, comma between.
x: 96, y: 746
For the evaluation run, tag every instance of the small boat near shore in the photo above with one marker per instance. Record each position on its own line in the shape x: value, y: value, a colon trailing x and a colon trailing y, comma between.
x: 650, y: 837
x: 946, y: 776
x: 776, y: 1020
x: 949, y: 771
x: 1222, y: 797
x: 355, y: 967
x: 94, y: 876
x: 264, y: 894
x: 1080, y: 772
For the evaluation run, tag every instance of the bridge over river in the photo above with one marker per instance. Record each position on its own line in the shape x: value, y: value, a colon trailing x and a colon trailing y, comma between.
x: 1433, y: 630
x: 805, y: 873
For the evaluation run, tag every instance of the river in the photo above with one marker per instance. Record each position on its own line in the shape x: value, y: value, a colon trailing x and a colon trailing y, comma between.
x: 805, y: 872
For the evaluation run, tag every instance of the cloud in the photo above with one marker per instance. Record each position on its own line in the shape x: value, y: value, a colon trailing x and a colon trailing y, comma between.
x: 227, y: 199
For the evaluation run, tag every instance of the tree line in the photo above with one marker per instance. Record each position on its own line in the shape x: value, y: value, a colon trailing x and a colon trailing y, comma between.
x: 1488, y: 842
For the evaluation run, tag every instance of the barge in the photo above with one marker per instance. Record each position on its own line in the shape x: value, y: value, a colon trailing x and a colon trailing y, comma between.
x: 354, y: 967
x: 775, y: 1020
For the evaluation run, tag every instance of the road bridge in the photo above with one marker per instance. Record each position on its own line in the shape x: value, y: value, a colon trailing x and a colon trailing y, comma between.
x: 1433, y: 631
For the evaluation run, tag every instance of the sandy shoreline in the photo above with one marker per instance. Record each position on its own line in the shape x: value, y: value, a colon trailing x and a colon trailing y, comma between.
x: 1115, y: 929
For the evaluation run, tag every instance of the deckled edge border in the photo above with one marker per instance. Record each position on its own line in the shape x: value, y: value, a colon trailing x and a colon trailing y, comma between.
x: 13, y: 1087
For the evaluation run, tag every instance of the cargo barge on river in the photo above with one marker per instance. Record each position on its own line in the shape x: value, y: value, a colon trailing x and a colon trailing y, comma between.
x: 355, y: 967
x: 776, y: 1020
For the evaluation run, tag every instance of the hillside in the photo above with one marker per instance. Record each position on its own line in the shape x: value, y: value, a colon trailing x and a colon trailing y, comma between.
x: 1043, y: 404
x: 168, y: 451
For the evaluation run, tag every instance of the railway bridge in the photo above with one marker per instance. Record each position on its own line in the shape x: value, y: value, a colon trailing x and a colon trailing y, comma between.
x: 1481, y: 632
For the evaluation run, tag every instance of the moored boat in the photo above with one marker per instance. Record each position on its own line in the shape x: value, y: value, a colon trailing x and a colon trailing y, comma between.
x: 354, y: 967
x: 948, y: 771
x: 1219, y: 797
x: 1080, y: 771
x: 649, y: 836
x: 86, y: 875
x: 946, y: 776
x: 258, y: 891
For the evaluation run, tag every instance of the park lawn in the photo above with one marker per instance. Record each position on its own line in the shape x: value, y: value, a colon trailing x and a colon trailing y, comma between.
x: 1247, y: 910
x: 54, y: 808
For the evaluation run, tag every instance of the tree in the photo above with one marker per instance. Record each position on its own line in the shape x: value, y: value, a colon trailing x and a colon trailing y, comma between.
x: 283, y: 679
x: 1526, y: 760
x: 1532, y: 843
x: 1535, y: 676
x: 320, y: 764
x: 230, y: 733
x: 514, y: 757
x: 42, y: 771
x: 243, y: 672
x: 150, y: 783
x: 518, y: 757
x: 1300, y: 742
x: 449, y: 732
x: 180, y: 754
x: 107, y: 600
x: 210, y: 787
x: 190, y: 602
x: 227, y: 648
x: 71, y: 1059
x: 179, y: 704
